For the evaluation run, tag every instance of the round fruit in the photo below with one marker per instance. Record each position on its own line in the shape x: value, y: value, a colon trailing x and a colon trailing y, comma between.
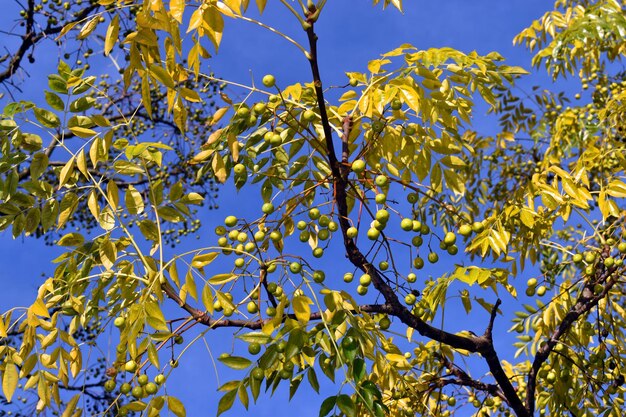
x: 318, y: 252
x: 449, y: 238
x: 577, y: 258
x: 267, y: 208
x: 384, y: 323
x: 254, y: 348
x: 352, y: 232
x: 609, y: 262
x: 159, y: 379
x: 295, y: 267
x: 365, y: 280
x: 424, y: 229
x: 358, y: 166
x: 418, y: 263
x: 109, y: 385
x: 417, y: 241
x: 324, y: 220
x: 532, y: 282
x: 119, y: 322
x: 301, y: 225
x: 622, y: 247
x: 259, y: 236
x: 530, y: 291
x: 270, y: 311
x: 269, y: 81
x: 478, y: 227
x: 412, y: 198
x: 411, y: 277
x: 239, y: 169
x: 380, y: 198
x: 314, y: 213
x: 453, y: 250
x: 130, y: 366
x: 382, y: 216
x: 410, y: 130
x: 378, y: 225
x: 410, y: 299
x: 259, y: 108
x: 258, y: 374
x: 353, y: 82
x: 276, y: 235
x: 378, y: 126
x: 396, y: 104
x: 381, y: 180
x: 383, y: 265
x: 590, y: 257
x: 361, y: 290
x: 465, y: 230
x: 333, y: 226
x: 451, y: 401
x: 308, y: 115
x: 178, y: 339
x: 348, y: 343
x: 541, y: 291
x: 323, y: 234
x: 406, y: 224
x: 551, y: 377
x: 125, y: 388
x: 433, y: 257
x: 151, y: 388
x: 304, y: 236
x: 142, y: 379
x: 348, y: 277
x: 137, y: 391
x: 230, y: 221
x: 319, y: 276
x: 252, y: 307
x: 373, y: 234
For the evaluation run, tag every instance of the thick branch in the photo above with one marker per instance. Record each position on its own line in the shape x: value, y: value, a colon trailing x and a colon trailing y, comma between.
x: 586, y: 301
x: 475, y: 344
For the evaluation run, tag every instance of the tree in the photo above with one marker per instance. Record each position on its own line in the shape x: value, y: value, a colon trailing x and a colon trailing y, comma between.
x: 385, y: 170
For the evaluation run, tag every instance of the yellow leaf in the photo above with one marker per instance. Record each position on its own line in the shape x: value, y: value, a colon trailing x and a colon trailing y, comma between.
x: 9, y: 380
x: 39, y: 308
x: 177, y: 9
x: 88, y: 28
x: 66, y: 171
x: 301, y: 307
x: 112, y: 34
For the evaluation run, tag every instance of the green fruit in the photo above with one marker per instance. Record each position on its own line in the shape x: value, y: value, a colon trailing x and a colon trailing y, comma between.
x: 412, y: 198
x: 465, y: 230
x: 130, y: 366
x: 259, y: 236
x: 378, y: 225
x: 406, y: 224
x: 137, y: 391
x: 276, y: 236
x: 532, y: 282
x: 417, y: 226
x: 270, y: 311
x: 220, y: 230
x: 373, y: 234
x: 382, y: 216
x: 361, y: 290
x: 622, y: 247
x: 333, y: 226
x: 254, y: 348
x: 453, y: 250
x: 109, y: 385
x: 151, y: 388
x: 324, y: 220
x: 424, y: 229
x: 267, y: 208
x: 353, y: 82
x: 269, y: 81
x: 410, y: 299
x: 323, y: 234
x: 384, y: 323
x: 418, y: 263
x: 365, y: 280
x: 258, y: 374
x: 590, y: 257
x: 551, y: 377
x: 348, y: 277
x: 578, y: 258
x: 301, y: 225
x: 449, y: 238
x: 230, y: 221
x: 239, y: 169
x: 352, y: 232
x: 478, y: 227
x: 530, y: 291
x: 159, y: 379
x: 358, y: 166
x: 380, y: 198
x: 433, y: 257
x: 240, y: 262
x: 318, y: 252
x: 142, y: 379
x: 609, y: 262
x: 308, y: 115
x: 243, y: 112
x: 381, y: 180
x: 378, y: 126
x: 259, y: 108
x: 417, y: 241
x: 348, y: 343
x: 125, y: 388
x: 314, y: 213
x: 451, y: 401
x: 119, y: 322
x: 541, y: 291
x: 304, y: 236
x: 252, y: 307
x: 396, y: 104
x: 319, y: 276
x: 295, y: 267
x: 383, y: 265
x: 411, y: 277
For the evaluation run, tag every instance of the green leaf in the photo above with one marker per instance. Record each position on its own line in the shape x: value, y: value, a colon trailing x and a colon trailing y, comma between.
x: 176, y: 406
x: 226, y: 402
x: 327, y: 405
x: 71, y: 239
x: 258, y: 337
x: 54, y: 101
x: 47, y: 118
x: 133, y: 200
x: 235, y: 362
x: 220, y: 279
x: 346, y: 405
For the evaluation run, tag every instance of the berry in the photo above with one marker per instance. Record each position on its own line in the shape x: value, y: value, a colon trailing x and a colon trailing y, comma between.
x: 269, y: 81
x: 358, y: 166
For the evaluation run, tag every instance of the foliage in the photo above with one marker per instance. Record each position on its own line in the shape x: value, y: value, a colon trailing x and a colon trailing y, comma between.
x: 335, y: 176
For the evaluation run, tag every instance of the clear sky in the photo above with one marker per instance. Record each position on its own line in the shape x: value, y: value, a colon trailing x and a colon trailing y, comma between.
x: 351, y: 32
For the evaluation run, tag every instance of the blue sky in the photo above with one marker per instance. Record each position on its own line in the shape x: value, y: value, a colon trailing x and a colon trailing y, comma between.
x: 351, y: 32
